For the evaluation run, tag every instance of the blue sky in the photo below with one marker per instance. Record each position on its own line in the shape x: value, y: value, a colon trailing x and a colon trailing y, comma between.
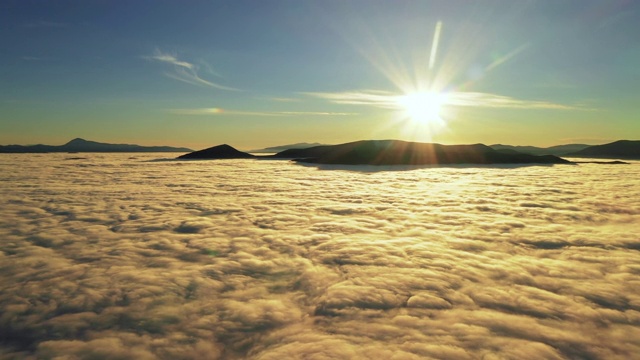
x: 260, y: 73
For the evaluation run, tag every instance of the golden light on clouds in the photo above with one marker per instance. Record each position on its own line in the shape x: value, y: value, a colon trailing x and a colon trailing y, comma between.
x: 248, y: 259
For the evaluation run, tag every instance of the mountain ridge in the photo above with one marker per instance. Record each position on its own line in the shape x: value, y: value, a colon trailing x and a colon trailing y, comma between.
x: 624, y: 149
x: 398, y: 152
x: 82, y: 145
x: 557, y: 150
x: 385, y: 152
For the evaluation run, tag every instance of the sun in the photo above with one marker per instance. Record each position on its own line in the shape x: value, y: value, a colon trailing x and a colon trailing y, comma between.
x: 422, y: 107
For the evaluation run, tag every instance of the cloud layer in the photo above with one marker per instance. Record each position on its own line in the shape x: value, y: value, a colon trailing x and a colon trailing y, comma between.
x: 111, y: 256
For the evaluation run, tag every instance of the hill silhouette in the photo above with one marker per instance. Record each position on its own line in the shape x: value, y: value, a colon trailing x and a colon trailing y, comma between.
x: 223, y: 151
x: 82, y: 145
x: 396, y: 152
x: 623, y: 149
x: 386, y: 152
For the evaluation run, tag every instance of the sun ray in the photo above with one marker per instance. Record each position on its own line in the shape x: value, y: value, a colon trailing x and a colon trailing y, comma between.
x: 434, y: 45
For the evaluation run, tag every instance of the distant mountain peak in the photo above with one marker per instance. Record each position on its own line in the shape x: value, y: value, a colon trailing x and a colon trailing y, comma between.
x: 82, y: 145
x: 223, y: 151
x: 623, y: 149
x: 77, y: 141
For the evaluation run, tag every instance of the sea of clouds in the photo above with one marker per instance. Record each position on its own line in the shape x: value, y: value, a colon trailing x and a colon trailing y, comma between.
x: 114, y: 256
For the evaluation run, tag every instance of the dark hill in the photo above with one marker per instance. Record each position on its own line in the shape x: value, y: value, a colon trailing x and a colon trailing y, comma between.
x: 217, y: 152
x: 81, y: 145
x: 396, y: 152
x: 18, y: 149
x: 623, y: 149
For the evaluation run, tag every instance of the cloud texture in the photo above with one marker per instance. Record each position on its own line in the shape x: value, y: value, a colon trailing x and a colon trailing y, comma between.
x: 111, y: 256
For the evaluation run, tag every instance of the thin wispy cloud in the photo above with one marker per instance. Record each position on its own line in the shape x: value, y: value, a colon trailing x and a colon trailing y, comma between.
x: 216, y: 111
x: 316, y: 113
x: 389, y: 100
x: 477, y: 99
x: 171, y: 59
x: 283, y: 99
x: 378, y: 98
x: 220, y: 111
x: 185, y: 71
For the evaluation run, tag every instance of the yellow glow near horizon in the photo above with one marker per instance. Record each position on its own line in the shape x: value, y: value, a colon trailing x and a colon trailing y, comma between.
x: 422, y: 107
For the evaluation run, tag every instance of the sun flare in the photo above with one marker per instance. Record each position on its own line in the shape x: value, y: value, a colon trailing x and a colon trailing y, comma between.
x: 422, y: 107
